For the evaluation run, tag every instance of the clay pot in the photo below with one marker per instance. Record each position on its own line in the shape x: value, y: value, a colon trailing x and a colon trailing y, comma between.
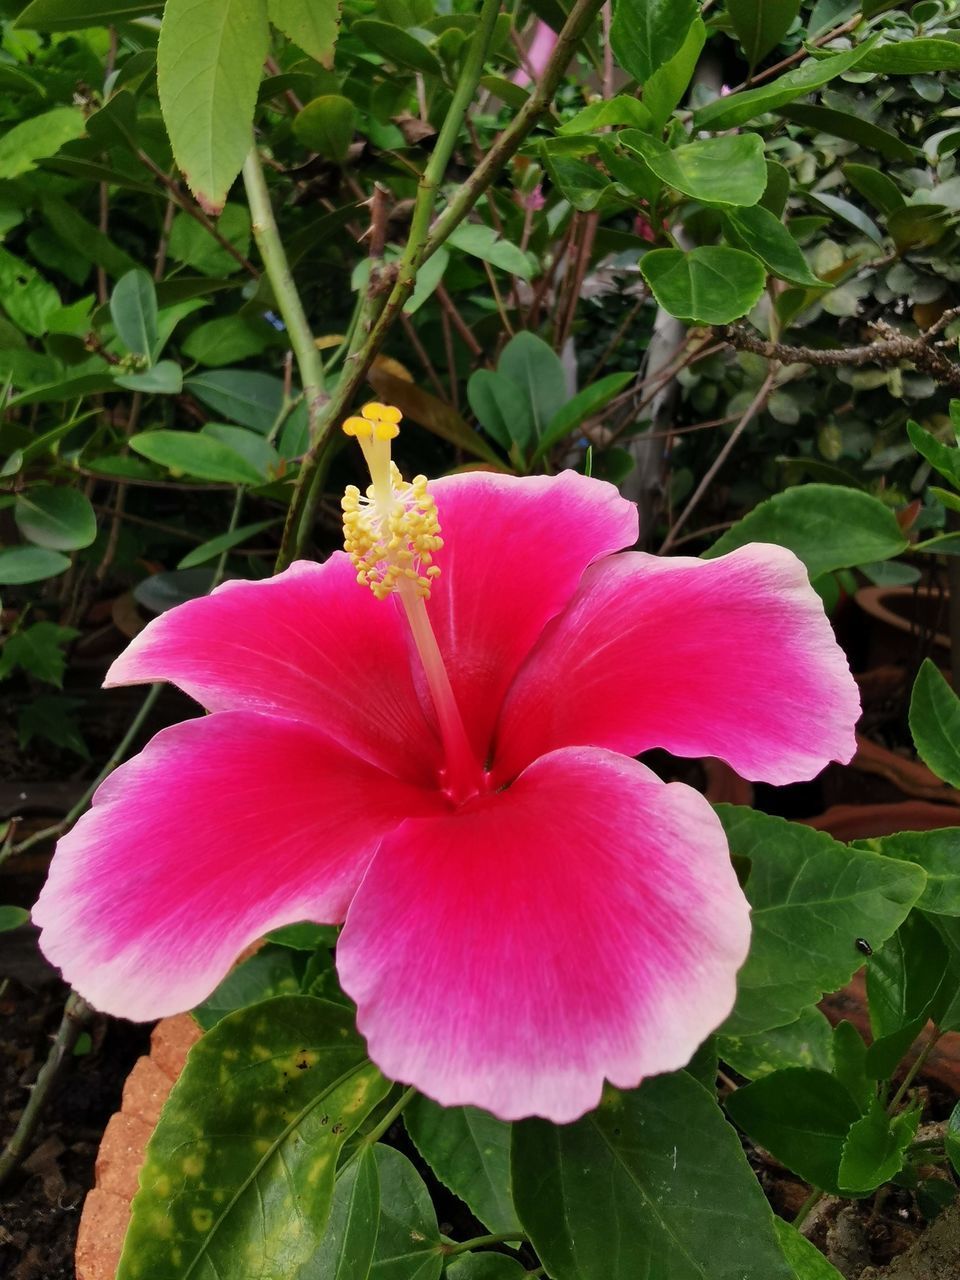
x: 900, y: 619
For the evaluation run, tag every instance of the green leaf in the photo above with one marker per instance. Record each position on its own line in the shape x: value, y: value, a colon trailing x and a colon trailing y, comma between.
x: 327, y: 125
x: 165, y: 379
x: 433, y: 414
x: 312, y: 25
x: 191, y: 454
x: 935, y: 723
x: 259, y: 1115
x: 903, y: 981
x: 647, y: 33
x: 848, y: 213
x: 346, y: 1251
x: 304, y: 936
x: 802, y: 1117
x: 608, y: 111
x: 396, y: 45
x: 761, y: 233
x: 193, y: 244
x: 738, y: 108
x: 243, y: 396
x: 20, y: 565
x: 811, y: 899
x: 27, y: 298
x: 622, y: 1193
x: 133, y: 308
x: 53, y: 719
x: 874, y: 185
x: 75, y: 15
x: 952, y: 1138
x: 919, y: 55
x: 583, y: 405
x: 12, y: 918
x: 761, y: 24
x: 209, y: 61
x: 469, y: 1151
x: 938, y: 853
x: 57, y: 518
x: 850, y: 1064
x: 269, y: 972
x: 711, y: 285
x: 39, y: 650
x: 223, y: 542
x: 227, y: 339
x: 807, y: 1261
x: 83, y: 237
x: 665, y: 88
x: 533, y: 366
x: 828, y: 526
x: 483, y: 242
x: 486, y: 1266
x: 875, y: 1148
x: 716, y: 171
x: 502, y: 408
x: 37, y: 138
x: 804, y: 1043
x: 258, y: 451
x: 853, y: 128
x: 408, y: 1241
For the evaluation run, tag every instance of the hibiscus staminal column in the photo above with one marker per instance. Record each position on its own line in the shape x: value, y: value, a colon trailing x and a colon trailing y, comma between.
x: 391, y: 533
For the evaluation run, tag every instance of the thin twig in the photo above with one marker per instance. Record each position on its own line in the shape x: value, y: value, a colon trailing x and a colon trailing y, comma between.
x: 756, y: 405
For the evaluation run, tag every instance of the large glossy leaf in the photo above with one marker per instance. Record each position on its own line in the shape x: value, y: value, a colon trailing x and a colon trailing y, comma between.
x: 738, y: 108
x: 346, y: 1251
x: 802, y: 1117
x: 208, y: 69
x: 533, y: 366
x: 804, y: 1043
x: 469, y: 1151
x: 408, y: 1241
x: 271, y: 971
x: 728, y: 171
x: 811, y: 899
x: 828, y: 526
x: 652, y: 1183
x: 761, y: 24
x: 191, y: 454
x: 56, y: 517
x: 37, y: 138
x: 74, y: 15
x: 239, y: 1173
x: 938, y: 852
x: 311, y: 24
x: 935, y: 723
x: 647, y: 33
x: 712, y: 284
x: 133, y: 307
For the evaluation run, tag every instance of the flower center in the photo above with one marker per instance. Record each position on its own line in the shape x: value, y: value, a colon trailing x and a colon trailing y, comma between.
x: 391, y: 533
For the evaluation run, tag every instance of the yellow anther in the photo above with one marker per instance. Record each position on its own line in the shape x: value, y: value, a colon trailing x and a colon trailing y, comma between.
x: 391, y: 532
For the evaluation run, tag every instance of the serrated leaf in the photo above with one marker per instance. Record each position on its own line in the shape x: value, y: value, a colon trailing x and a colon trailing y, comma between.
x: 469, y: 1151
x: 807, y: 1261
x: 828, y: 526
x: 875, y: 1149
x: 811, y: 899
x: 312, y: 25
x: 935, y: 723
x: 209, y: 62
x: 239, y: 1173
x: 653, y: 1152
x: 938, y: 853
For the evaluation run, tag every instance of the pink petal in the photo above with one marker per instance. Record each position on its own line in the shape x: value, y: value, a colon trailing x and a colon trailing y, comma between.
x: 220, y: 830
x: 585, y: 923
x: 731, y: 657
x: 514, y: 551
x: 309, y: 644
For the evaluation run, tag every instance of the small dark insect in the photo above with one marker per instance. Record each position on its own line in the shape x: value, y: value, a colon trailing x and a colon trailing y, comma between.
x: 864, y: 946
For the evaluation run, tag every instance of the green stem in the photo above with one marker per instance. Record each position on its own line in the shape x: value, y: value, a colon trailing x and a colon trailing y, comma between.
x: 76, y: 1015
x: 234, y: 520
x: 278, y: 273
x: 812, y: 1200
x: 377, y: 1133
x: 424, y: 240
x: 480, y: 1242
x: 913, y: 1072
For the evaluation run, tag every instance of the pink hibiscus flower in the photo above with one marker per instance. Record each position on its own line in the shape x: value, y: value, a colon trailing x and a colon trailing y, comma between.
x: 528, y: 910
